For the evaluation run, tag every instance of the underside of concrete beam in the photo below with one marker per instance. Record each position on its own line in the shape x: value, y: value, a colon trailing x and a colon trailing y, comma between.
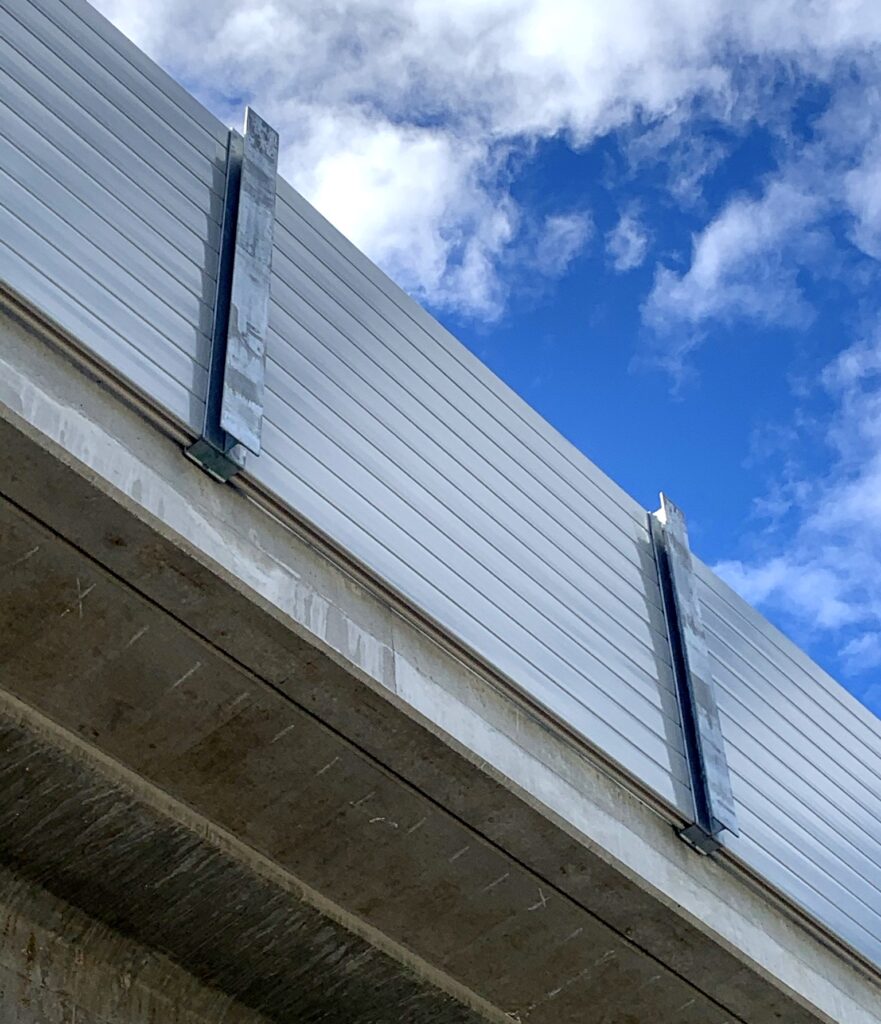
x: 98, y: 837
x: 297, y: 750
x: 58, y: 965
x: 127, y: 680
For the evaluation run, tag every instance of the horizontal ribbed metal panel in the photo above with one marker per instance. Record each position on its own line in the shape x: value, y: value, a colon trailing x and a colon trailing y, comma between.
x: 109, y: 210
x: 805, y: 762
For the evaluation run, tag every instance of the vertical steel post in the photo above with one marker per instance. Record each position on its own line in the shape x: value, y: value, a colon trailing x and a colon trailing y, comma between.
x: 234, y: 402
x: 713, y: 802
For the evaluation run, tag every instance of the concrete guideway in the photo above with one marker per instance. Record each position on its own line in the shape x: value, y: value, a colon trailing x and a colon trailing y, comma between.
x: 247, y: 720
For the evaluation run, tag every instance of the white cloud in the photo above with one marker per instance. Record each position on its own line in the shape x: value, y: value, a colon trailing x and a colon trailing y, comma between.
x: 822, y: 547
x: 397, y: 114
x: 741, y: 266
x: 414, y: 198
x: 687, y: 156
x: 852, y: 126
x: 805, y: 587
x: 628, y: 242
x: 861, y: 654
x: 862, y: 187
x: 562, y: 238
x: 823, y: 573
x: 751, y: 261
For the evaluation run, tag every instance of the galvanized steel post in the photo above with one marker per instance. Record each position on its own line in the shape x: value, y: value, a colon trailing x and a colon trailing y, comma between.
x: 713, y: 801
x: 234, y: 403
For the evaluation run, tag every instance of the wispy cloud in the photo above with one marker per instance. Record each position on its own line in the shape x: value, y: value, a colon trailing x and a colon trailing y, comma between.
x: 821, y: 546
x: 627, y: 243
x: 861, y: 654
x: 820, y: 569
x: 561, y: 239
x: 743, y: 267
x: 751, y: 262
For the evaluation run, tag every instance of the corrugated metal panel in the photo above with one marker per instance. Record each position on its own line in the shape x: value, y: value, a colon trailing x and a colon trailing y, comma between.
x: 805, y: 763
x: 110, y: 206
x: 394, y: 440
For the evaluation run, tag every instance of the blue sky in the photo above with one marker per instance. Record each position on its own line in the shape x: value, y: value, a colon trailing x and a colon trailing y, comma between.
x: 659, y: 221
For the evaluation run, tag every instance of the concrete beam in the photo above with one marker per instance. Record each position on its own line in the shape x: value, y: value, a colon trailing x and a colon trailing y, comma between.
x: 132, y: 686
x: 532, y: 877
x: 97, y: 836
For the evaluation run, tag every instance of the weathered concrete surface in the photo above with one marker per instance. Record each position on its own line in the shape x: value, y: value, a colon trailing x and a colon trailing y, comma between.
x: 99, y: 837
x: 230, y: 660
x: 60, y: 966
x: 119, y: 672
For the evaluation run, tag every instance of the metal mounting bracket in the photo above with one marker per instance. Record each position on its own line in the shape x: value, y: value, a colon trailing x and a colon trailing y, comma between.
x: 234, y: 401
x: 713, y: 802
